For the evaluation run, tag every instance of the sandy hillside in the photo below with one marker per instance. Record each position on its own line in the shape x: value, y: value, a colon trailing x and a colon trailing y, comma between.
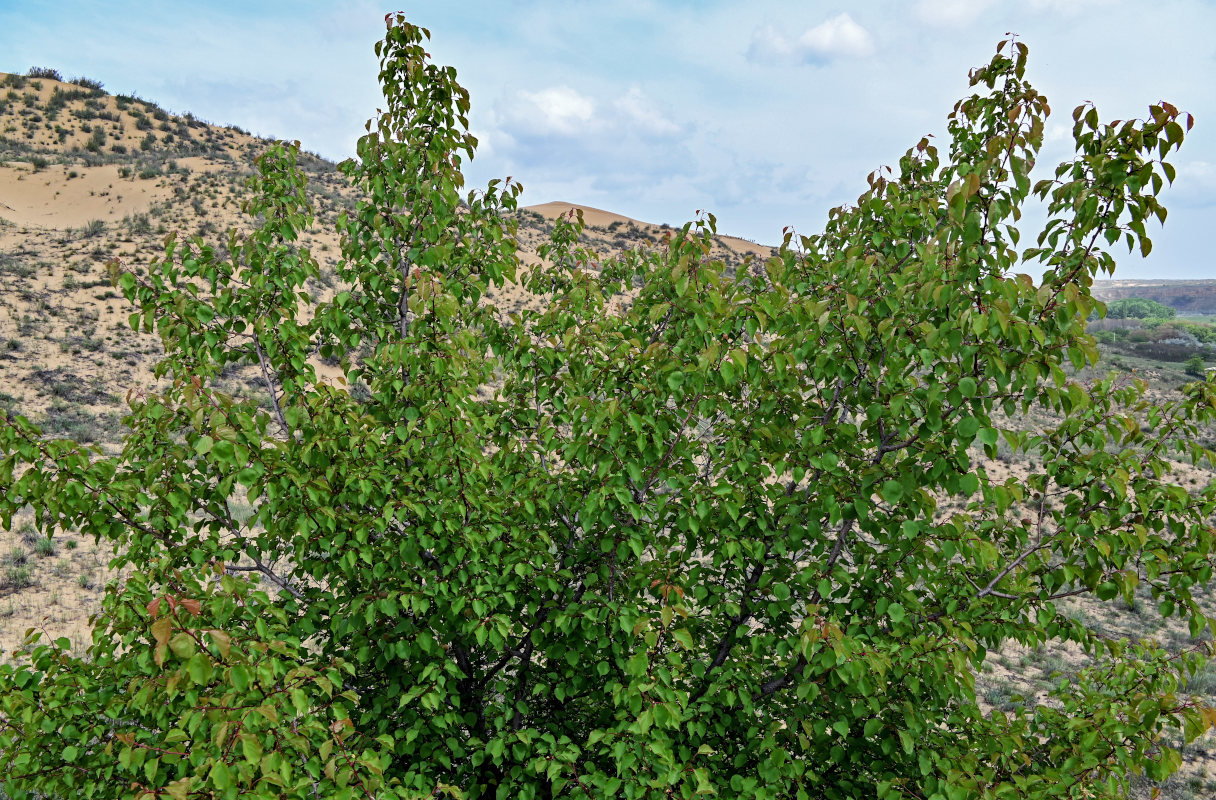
x: 599, y: 218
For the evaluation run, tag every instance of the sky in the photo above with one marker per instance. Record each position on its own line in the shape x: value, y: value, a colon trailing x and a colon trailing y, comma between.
x: 767, y: 113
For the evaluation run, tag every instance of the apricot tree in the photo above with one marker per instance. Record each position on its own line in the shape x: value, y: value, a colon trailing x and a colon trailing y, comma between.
x: 738, y: 538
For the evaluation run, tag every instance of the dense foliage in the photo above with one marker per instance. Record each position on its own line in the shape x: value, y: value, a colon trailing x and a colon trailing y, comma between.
x: 1139, y: 308
x: 675, y: 534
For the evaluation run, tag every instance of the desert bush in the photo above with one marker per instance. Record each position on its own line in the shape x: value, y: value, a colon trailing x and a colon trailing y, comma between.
x: 58, y: 100
x: 16, y: 557
x: 18, y: 577
x: 14, y: 265
x: 80, y: 424
x: 96, y: 140
x: 138, y: 223
x: 687, y: 549
x: 88, y: 83
x: 45, y: 73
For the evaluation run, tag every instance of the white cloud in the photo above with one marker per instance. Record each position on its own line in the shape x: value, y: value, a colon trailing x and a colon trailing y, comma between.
x: 838, y: 37
x: 491, y: 140
x: 1058, y: 132
x: 526, y: 120
x: 769, y: 44
x: 640, y: 112
x: 951, y: 13
x: 558, y: 109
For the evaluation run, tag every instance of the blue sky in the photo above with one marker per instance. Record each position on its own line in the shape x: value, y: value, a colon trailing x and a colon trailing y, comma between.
x: 767, y: 113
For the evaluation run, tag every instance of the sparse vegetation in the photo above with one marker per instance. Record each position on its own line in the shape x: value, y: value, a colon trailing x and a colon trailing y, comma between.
x: 88, y: 83
x: 45, y: 73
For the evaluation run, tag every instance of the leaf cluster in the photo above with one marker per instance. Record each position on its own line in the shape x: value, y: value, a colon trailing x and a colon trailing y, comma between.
x: 677, y: 533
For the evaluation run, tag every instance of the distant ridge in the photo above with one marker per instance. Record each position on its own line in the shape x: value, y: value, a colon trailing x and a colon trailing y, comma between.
x: 1186, y: 296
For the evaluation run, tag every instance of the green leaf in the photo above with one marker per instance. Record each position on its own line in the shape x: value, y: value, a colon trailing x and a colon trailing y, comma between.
x: 199, y: 668
x: 238, y: 676
x: 967, y: 427
x: 183, y: 646
x: 179, y: 789
x: 251, y: 747
x: 972, y: 228
x: 220, y: 776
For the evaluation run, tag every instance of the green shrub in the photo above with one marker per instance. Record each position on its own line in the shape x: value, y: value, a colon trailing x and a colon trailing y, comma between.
x: 16, y: 557
x: 1139, y: 308
x: 97, y: 140
x: 16, y: 577
x: 88, y: 83
x: 44, y: 72
x: 692, y: 548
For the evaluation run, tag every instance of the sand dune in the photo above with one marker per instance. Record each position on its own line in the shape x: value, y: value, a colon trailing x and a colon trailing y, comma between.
x: 591, y: 216
x: 50, y: 198
x: 601, y: 218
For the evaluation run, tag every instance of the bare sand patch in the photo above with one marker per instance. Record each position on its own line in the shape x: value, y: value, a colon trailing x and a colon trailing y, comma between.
x: 50, y: 198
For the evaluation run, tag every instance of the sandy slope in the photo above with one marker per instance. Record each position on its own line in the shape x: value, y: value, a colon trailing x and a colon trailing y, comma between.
x: 600, y: 218
x: 52, y: 198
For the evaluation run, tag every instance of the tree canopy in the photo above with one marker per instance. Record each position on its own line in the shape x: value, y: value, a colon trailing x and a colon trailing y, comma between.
x: 1139, y: 308
x: 679, y: 532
